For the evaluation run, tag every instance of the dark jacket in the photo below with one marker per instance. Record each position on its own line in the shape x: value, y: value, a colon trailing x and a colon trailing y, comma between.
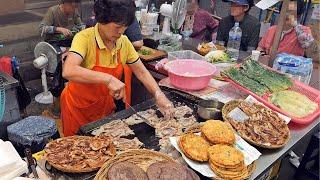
x: 250, y: 27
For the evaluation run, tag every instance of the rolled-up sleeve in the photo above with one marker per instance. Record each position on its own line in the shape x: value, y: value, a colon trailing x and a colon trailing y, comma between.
x: 46, y: 25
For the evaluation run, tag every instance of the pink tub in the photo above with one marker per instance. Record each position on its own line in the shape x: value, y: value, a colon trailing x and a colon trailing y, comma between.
x: 189, y: 74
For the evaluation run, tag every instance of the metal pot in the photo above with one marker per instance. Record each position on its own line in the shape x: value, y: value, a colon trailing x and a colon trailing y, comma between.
x: 210, y: 109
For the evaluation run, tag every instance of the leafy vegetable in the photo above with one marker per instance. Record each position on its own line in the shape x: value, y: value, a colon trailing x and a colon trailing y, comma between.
x: 273, y: 80
x: 258, y: 79
x: 217, y: 56
x: 144, y: 52
x: 294, y: 103
x: 244, y: 81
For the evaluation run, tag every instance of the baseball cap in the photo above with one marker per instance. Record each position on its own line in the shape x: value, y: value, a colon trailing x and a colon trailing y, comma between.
x: 240, y: 2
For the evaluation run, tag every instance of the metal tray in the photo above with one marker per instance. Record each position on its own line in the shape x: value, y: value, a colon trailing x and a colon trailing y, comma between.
x: 144, y: 132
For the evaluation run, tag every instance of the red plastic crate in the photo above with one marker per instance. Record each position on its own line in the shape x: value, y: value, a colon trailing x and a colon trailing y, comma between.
x: 311, y: 93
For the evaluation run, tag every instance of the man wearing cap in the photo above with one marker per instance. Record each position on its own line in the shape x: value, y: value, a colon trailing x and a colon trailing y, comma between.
x: 249, y: 25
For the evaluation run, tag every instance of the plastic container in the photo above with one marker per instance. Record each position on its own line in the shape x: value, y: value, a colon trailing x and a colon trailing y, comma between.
x: 147, y: 29
x: 297, y: 67
x: 234, y: 41
x: 186, y: 54
x: 311, y: 93
x: 189, y: 74
x: 170, y: 43
x: 5, y: 65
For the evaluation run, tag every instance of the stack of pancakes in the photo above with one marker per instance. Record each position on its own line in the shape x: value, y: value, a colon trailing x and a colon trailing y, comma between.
x: 227, y: 162
x: 215, y: 145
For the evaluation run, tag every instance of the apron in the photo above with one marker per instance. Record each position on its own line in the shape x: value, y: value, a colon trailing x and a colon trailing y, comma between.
x: 83, y: 103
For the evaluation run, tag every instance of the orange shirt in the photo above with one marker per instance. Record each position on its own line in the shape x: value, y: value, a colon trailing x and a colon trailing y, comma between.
x: 288, y: 44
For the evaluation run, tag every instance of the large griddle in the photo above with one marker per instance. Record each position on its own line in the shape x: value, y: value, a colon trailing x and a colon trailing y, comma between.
x: 144, y: 132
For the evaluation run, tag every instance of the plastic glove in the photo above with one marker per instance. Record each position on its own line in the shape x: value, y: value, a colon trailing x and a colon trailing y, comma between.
x: 165, y: 106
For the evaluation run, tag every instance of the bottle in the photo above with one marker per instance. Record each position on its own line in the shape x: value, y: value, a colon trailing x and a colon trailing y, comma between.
x: 15, y: 63
x: 296, y: 67
x: 305, y: 70
x: 234, y: 41
x: 153, y: 8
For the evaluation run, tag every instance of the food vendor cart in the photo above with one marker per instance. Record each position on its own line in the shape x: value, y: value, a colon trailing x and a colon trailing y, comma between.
x: 138, y: 126
x: 146, y: 134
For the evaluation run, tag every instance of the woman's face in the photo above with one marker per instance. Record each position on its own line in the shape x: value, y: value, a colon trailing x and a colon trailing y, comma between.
x: 112, y: 31
x: 291, y: 16
x: 237, y: 10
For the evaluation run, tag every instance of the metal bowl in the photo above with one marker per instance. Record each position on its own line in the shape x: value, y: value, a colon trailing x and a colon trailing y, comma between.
x: 210, y: 109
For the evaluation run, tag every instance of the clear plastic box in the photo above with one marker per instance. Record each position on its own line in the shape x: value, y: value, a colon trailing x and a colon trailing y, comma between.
x: 185, y: 54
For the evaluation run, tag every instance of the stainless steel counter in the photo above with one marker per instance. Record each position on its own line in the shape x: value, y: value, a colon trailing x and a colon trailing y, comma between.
x: 298, y: 132
x: 269, y: 157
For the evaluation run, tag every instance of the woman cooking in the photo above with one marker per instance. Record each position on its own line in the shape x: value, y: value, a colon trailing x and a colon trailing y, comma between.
x: 98, y: 58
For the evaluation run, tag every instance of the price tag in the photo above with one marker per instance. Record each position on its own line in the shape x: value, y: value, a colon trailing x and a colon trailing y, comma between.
x: 238, y: 115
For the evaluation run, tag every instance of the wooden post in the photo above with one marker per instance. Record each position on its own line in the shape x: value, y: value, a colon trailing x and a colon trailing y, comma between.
x: 276, y: 40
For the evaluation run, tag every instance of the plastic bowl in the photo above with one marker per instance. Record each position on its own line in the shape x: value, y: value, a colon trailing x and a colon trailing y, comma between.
x: 190, y: 74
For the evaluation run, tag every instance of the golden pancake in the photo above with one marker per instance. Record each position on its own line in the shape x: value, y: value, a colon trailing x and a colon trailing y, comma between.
x: 194, y: 147
x: 235, y: 168
x: 225, y: 155
x: 228, y: 174
x: 218, y: 132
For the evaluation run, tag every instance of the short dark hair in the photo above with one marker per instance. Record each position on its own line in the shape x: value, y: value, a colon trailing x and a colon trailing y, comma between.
x: 68, y: 1
x: 117, y: 11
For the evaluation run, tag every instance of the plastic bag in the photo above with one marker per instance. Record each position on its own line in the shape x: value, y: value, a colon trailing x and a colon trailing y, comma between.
x: 23, y: 96
x: 58, y: 81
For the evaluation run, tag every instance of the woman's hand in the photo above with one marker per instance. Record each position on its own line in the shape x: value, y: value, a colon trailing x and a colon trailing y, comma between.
x: 116, y: 88
x: 165, y: 106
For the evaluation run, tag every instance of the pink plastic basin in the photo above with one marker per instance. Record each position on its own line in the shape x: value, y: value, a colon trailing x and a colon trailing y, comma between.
x: 189, y: 74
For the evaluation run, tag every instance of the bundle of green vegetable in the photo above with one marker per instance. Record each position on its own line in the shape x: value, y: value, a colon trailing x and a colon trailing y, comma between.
x: 145, y: 52
x: 217, y: 56
x: 258, y: 79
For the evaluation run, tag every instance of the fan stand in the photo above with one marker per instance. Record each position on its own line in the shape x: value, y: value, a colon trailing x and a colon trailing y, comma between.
x: 46, y: 60
x: 45, y: 97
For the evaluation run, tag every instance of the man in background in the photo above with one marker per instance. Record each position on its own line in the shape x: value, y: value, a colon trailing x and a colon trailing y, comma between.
x: 249, y: 25
x: 62, y: 19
